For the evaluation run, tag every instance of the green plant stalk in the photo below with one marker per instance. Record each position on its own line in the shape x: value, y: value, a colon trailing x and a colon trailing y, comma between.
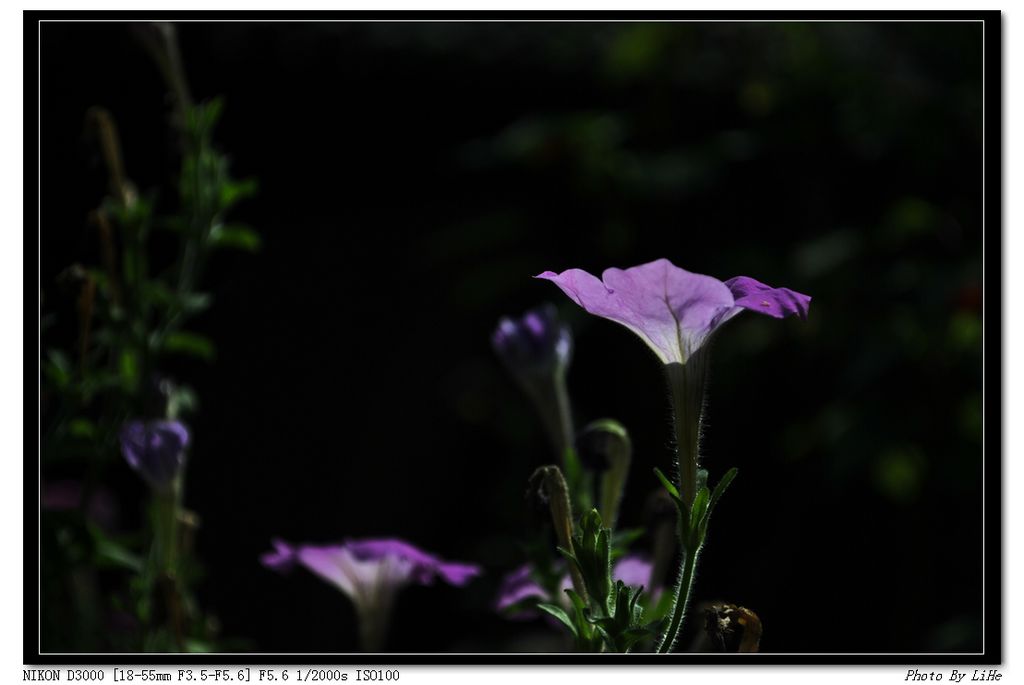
x: 682, y: 599
x: 166, y: 507
x: 613, y: 481
x: 165, y: 525
x: 555, y: 412
x: 561, y: 519
x: 686, y: 388
x: 374, y: 618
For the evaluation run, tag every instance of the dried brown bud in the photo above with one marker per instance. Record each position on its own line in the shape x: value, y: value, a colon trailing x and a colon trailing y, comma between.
x: 732, y: 628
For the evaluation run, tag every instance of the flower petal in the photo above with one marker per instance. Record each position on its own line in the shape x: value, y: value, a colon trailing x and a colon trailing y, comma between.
x: 517, y: 586
x: 335, y: 565
x: 425, y: 567
x: 282, y: 559
x: 671, y: 309
x: 633, y: 570
x: 457, y: 573
x: 775, y: 302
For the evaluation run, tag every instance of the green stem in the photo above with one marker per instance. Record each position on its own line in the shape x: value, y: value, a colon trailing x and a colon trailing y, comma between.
x: 682, y: 600
x: 686, y: 387
x: 553, y: 404
x: 166, y: 530
x: 373, y: 625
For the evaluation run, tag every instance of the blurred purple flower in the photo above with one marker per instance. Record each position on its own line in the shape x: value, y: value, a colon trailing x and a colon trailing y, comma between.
x: 282, y: 559
x: 519, y: 585
x: 156, y: 450
x: 370, y: 573
x: 672, y: 310
x: 537, y: 345
x: 633, y: 570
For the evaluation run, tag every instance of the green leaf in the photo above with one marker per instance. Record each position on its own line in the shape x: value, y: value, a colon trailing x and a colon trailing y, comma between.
x: 82, y: 428
x: 110, y: 553
x: 129, y: 368
x: 721, y: 487
x: 59, y: 368
x: 698, y: 517
x: 568, y: 555
x: 193, y: 303
x: 189, y: 343
x: 713, y: 500
x: 233, y: 191
x: 235, y: 236
x: 195, y: 646
x: 700, y: 504
x: 560, y: 614
x: 210, y: 111
x: 576, y: 600
x: 668, y: 485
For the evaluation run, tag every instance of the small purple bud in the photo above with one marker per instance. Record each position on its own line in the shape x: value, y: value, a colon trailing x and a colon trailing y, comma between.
x: 537, y: 346
x: 156, y: 450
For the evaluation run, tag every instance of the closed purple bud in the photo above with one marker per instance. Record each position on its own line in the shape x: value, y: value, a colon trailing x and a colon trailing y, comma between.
x: 156, y: 450
x: 538, y: 345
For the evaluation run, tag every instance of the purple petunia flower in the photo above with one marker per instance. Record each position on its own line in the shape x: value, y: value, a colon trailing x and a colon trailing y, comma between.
x: 156, y: 449
x: 672, y: 310
x: 370, y: 573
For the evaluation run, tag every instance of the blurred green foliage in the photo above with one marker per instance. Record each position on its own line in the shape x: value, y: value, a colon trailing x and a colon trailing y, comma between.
x: 101, y: 589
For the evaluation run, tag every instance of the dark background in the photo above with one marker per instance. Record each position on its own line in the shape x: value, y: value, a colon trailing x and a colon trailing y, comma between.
x: 414, y: 176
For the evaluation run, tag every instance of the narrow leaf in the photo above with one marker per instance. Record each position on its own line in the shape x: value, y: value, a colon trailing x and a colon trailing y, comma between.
x: 672, y: 490
x: 189, y: 343
x: 721, y: 487
x: 235, y: 236
x: 560, y: 614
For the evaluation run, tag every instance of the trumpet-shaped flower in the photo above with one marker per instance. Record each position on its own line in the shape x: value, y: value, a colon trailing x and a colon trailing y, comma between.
x: 370, y: 573
x: 156, y: 450
x: 672, y: 310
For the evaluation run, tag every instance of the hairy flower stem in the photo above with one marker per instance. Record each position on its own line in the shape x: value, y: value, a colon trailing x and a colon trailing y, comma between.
x: 554, y: 489
x: 686, y: 386
x: 681, y: 601
x: 553, y: 404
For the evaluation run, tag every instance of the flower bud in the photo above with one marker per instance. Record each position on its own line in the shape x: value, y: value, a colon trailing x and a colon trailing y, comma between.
x: 536, y: 350
x: 156, y: 450
x: 604, y: 446
x: 535, y: 347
